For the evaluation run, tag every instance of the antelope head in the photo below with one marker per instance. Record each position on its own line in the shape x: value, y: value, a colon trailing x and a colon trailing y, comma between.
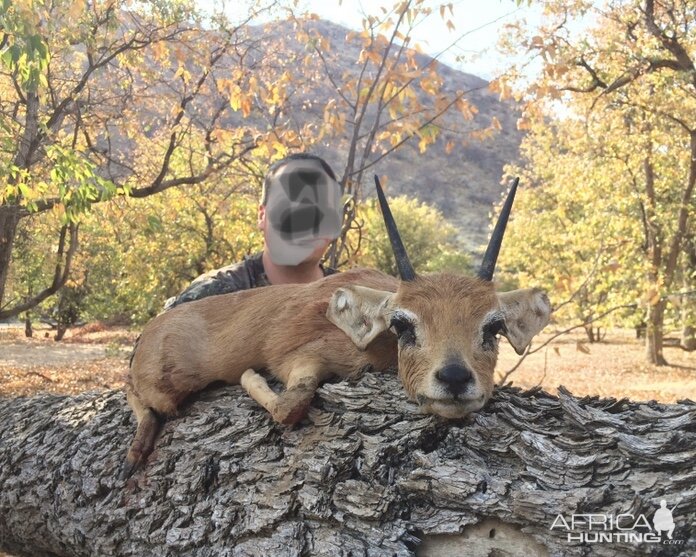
x: 447, y: 325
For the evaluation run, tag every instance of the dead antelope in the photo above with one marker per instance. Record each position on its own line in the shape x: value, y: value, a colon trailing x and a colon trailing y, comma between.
x: 441, y: 329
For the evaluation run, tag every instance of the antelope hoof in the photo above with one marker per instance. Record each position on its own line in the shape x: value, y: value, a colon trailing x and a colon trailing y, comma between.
x: 290, y: 415
x: 293, y: 404
x: 129, y: 466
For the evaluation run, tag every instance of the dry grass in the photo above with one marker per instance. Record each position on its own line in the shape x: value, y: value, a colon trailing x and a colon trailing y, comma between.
x: 615, y: 367
x: 96, y: 357
x: 91, y: 357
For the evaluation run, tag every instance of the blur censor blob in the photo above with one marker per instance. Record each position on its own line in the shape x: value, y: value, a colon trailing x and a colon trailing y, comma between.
x: 303, y: 211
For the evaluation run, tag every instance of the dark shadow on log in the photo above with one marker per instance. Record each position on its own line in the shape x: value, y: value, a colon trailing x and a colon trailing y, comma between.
x: 363, y: 475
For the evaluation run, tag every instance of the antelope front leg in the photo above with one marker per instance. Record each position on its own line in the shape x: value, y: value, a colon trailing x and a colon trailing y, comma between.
x: 290, y: 406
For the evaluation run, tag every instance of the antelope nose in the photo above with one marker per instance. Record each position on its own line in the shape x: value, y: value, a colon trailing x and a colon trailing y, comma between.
x: 456, y: 377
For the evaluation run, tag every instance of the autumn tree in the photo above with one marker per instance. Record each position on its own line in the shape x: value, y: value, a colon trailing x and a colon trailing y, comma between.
x: 162, y: 244
x: 390, y: 95
x: 688, y: 298
x: 106, y: 99
x: 103, y: 102
x: 611, y: 150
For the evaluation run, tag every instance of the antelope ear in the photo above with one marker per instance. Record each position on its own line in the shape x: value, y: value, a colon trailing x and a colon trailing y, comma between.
x: 359, y: 312
x: 526, y: 313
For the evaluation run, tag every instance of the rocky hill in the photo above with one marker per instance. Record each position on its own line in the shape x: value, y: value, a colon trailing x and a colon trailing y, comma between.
x: 465, y: 183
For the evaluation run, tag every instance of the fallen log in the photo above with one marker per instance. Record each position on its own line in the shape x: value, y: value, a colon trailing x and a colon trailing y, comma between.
x: 364, y: 474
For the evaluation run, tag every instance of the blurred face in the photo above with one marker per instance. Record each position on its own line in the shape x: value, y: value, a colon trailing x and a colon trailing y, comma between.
x: 302, y: 214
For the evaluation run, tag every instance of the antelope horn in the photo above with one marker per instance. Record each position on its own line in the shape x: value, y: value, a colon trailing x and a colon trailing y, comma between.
x: 493, y: 249
x: 403, y: 264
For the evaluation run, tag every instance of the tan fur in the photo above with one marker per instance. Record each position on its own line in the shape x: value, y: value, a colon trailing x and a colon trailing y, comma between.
x: 279, y: 328
x: 452, y: 308
x: 449, y: 314
x: 285, y: 329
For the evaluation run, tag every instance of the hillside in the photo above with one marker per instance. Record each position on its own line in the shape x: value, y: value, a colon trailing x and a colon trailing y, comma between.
x: 464, y: 184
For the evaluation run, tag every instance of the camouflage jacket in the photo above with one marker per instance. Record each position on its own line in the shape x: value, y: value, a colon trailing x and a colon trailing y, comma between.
x: 238, y: 276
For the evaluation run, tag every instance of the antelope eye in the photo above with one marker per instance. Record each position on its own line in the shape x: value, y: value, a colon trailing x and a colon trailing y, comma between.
x: 404, y: 329
x: 490, y: 332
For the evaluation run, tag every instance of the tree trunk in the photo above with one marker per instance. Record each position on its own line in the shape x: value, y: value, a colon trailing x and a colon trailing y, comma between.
x: 9, y: 218
x: 654, y: 334
x: 28, y: 330
x: 61, y: 329
x: 365, y: 474
x: 688, y: 313
x: 688, y: 338
x: 589, y: 331
x: 594, y: 334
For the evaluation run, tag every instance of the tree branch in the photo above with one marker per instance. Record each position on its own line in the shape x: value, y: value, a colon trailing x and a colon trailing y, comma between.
x: 60, y: 275
x: 364, y: 474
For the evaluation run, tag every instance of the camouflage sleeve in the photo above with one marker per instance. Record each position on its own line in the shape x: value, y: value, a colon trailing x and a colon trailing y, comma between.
x: 219, y: 281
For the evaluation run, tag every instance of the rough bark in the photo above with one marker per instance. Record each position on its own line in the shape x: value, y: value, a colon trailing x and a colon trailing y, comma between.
x: 28, y: 329
x: 688, y: 338
x: 363, y: 475
x: 9, y: 219
x: 654, y: 334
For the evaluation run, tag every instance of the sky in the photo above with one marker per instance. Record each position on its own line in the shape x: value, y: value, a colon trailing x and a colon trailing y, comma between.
x: 477, y: 25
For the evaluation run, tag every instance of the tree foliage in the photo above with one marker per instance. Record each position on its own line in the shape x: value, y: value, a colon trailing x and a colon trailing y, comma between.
x: 106, y: 105
x: 429, y: 239
x: 610, y: 156
x: 105, y: 99
x: 392, y: 94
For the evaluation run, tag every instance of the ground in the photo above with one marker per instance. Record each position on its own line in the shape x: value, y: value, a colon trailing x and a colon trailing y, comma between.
x: 615, y: 367
x: 90, y: 357
x: 95, y: 357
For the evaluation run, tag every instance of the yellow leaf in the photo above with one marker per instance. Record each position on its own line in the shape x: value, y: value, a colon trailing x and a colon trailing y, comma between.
x: 524, y: 124
x: 652, y: 296
x: 236, y: 99
x: 184, y: 74
x: 465, y: 108
x: 159, y: 49
x: 76, y: 10
x: 429, y: 86
x: 246, y: 105
x: 374, y: 56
